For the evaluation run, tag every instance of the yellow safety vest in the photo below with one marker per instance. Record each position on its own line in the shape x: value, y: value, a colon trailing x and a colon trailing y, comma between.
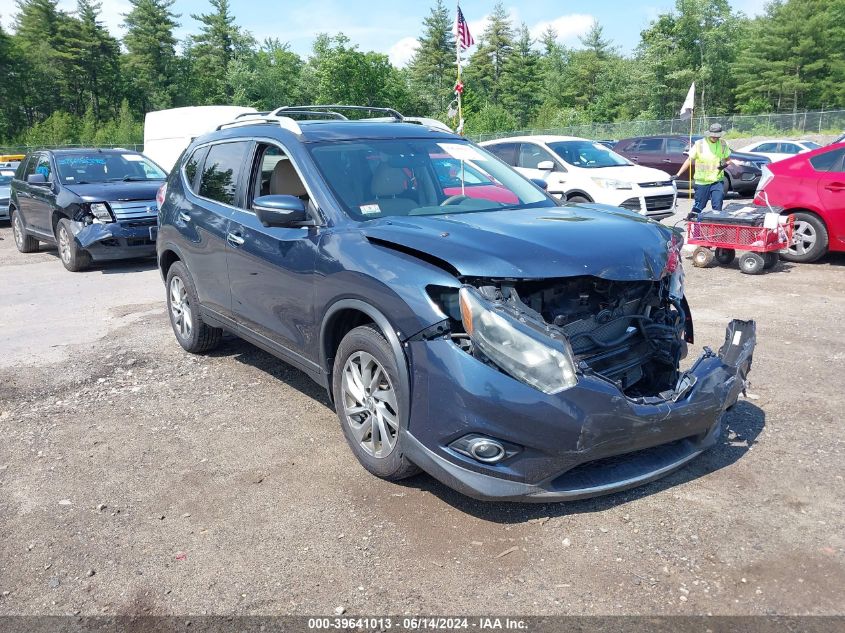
x: 707, y: 156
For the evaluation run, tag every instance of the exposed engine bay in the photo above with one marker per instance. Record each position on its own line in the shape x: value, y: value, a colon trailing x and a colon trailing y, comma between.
x: 632, y: 333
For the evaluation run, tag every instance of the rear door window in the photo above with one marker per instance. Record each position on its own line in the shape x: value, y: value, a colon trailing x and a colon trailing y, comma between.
x: 221, y: 170
x: 789, y: 148
x: 829, y: 161
x: 767, y: 148
x: 646, y: 145
x: 530, y: 156
x: 505, y: 151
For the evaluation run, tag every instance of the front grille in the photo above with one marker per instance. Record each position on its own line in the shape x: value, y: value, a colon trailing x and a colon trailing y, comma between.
x: 134, y: 209
x: 632, y: 204
x: 662, y: 183
x: 139, y: 242
x: 659, y: 203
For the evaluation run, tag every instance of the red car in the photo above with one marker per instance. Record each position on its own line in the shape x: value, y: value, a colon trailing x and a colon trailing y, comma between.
x: 811, y: 186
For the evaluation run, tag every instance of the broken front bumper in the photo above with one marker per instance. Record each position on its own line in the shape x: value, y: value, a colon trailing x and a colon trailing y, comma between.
x: 117, y: 240
x: 587, y: 441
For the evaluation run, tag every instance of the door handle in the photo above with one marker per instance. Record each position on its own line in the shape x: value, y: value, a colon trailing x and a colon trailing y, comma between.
x: 667, y: 160
x: 835, y: 186
x: 234, y: 239
x: 636, y: 159
x: 184, y: 216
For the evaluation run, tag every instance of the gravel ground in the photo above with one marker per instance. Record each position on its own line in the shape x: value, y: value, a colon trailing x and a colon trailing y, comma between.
x: 136, y: 479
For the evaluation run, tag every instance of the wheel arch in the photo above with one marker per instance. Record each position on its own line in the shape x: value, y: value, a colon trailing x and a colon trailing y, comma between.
x: 578, y: 192
x: 347, y: 314
x: 812, y: 212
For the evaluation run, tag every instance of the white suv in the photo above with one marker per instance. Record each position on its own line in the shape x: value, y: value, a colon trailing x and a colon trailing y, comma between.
x: 580, y: 170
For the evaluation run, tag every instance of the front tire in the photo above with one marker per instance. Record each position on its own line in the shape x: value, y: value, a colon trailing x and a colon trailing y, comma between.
x: 73, y: 256
x: 752, y: 263
x: 809, y: 239
x: 370, y: 400
x: 25, y: 243
x: 183, y: 304
x: 725, y: 256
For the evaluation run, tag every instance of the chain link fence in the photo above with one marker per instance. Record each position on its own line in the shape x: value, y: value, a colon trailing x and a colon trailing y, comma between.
x: 23, y: 149
x: 789, y: 124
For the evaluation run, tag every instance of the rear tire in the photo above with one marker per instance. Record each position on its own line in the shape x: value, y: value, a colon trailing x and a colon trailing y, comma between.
x: 725, y: 256
x: 771, y: 260
x: 809, y: 240
x: 73, y: 256
x: 24, y: 242
x: 370, y: 401
x: 702, y: 257
x: 751, y: 263
x: 183, y: 304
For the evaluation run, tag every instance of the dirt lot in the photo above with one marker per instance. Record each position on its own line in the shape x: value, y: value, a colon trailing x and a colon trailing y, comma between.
x: 137, y: 479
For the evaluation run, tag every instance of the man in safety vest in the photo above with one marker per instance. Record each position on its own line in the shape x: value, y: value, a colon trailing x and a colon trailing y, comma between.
x: 710, y: 156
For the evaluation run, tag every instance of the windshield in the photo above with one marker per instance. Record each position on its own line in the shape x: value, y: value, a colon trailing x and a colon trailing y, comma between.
x: 77, y: 169
x: 398, y: 177
x: 5, y: 180
x: 587, y: 154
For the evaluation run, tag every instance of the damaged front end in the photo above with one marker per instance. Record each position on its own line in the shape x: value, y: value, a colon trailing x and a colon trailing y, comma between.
x: 105, y: 237
x: 602, y: 359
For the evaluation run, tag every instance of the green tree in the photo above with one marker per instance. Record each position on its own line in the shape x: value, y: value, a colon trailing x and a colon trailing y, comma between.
x: 487, y: 63
x: 213, y: 50
x: 432, y: 69
x: 490, y: 119
x: 150, y: 61
x: 269, y: 79
x: 522, y: 80
x: 553, y: 63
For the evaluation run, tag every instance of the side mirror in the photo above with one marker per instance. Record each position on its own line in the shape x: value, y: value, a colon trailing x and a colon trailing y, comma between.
x: 685, y: 152
x: 279, y: 210
x: 546, y: 165
x: 36, y: 179
x: 541, y: 183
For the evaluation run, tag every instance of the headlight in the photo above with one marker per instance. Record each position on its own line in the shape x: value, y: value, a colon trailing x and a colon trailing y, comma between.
x: 544, y: 364
x: 742, y: 163
x: 610, y: 183
x: 100, y: 210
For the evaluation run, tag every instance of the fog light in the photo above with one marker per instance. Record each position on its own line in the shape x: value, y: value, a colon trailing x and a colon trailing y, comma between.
x: 485, y: 450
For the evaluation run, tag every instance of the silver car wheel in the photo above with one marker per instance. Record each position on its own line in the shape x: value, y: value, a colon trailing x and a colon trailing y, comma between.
x: 18, y: 231
x: 803, y: 238
x: 180, y: 308
x: 369, y: 404
x: 64, y: 245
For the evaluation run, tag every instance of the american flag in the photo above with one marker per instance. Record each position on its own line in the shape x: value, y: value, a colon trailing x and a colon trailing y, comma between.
x: 464, y: 36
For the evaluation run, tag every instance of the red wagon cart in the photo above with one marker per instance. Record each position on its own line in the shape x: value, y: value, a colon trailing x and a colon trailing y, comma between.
x: 719, y: 235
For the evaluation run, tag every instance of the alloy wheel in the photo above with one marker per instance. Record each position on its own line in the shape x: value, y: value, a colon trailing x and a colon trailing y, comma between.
x: 370, y: 405
x: 64, y: 244
x: 803, y: 238
x: 180, y: 308
x: 18, y: 231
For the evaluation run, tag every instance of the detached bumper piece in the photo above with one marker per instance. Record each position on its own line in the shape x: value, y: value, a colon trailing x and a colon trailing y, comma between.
x: 118, y: 240
x: 601, y: 442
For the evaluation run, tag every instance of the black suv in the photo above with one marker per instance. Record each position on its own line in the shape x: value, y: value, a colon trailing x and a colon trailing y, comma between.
x: 95, y: 204
x: 462, y: 320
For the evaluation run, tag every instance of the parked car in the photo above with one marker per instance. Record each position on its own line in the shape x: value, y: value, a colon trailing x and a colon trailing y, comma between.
x: 514, y: 349
x: 579, y: 170
x: 95, y: 204
x: 669, y: 153
x: 6, y: 176
x: 778, y: 149
x: 812, y: 187
x: 839, y: 139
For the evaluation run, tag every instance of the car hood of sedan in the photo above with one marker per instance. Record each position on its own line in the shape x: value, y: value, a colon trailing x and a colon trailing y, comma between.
x: 116, y: 191
x: 573, y: 240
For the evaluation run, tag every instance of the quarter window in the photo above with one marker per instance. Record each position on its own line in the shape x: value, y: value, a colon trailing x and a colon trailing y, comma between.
x: 221, y: 170
x: 829, y: 161
x: 192, y: 166
x: 676, y: 146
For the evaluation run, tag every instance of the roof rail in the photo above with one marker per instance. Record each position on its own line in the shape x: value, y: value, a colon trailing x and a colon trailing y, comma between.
x: 332, y: 108
x: 282, y: 121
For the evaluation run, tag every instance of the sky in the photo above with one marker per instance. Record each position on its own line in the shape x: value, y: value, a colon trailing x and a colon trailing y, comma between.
x: 392, y: 26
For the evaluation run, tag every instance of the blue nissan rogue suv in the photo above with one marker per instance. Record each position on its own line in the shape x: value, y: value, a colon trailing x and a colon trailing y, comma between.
x: 463, y: 321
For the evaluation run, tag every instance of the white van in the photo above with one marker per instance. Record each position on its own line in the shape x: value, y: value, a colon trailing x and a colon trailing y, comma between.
x: 168, y: 132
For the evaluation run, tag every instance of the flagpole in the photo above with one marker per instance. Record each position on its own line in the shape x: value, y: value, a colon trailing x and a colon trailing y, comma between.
x: 458, y: 55
x: 691, y: 119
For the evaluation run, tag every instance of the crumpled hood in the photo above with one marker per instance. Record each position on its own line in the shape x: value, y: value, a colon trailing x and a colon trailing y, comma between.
x: 596, y: 240
x: 116, y: 191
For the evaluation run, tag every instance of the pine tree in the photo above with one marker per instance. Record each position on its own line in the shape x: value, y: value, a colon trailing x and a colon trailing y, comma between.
x: 432, y: 68
x: 487, y: 63
x: 522, y: 80
x: 36, y: 37
x: 151, y: 53
x: 212, y: 51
